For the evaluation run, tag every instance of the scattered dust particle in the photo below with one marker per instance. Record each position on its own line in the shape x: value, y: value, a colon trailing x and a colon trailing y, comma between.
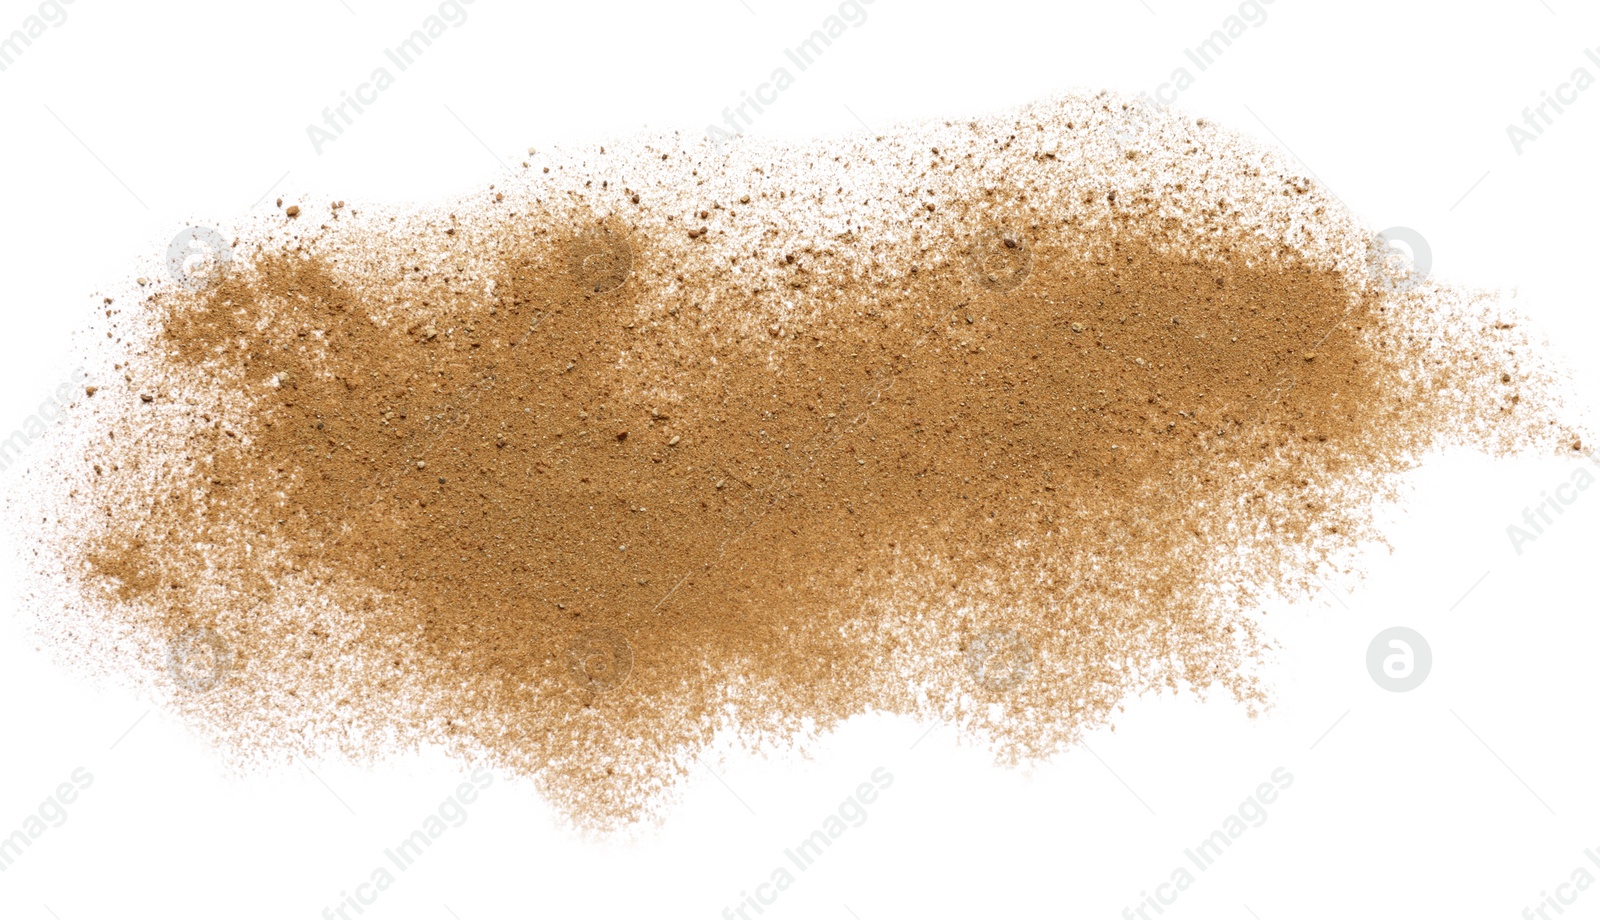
x: 884, y: 508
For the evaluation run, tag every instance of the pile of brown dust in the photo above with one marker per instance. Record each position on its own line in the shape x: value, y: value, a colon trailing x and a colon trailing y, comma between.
x: 997, y: 422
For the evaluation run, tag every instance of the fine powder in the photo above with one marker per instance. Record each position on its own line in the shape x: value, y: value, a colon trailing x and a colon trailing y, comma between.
x: 656, y: 448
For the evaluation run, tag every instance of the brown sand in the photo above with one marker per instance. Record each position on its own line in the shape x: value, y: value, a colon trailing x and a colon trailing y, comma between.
x: 996, y: 422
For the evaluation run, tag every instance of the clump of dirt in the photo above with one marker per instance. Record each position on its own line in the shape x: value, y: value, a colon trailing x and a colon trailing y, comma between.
x: 998, y: 423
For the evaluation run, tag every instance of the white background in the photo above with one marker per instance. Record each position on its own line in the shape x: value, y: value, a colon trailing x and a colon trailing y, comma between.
x: 1464, y: 798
